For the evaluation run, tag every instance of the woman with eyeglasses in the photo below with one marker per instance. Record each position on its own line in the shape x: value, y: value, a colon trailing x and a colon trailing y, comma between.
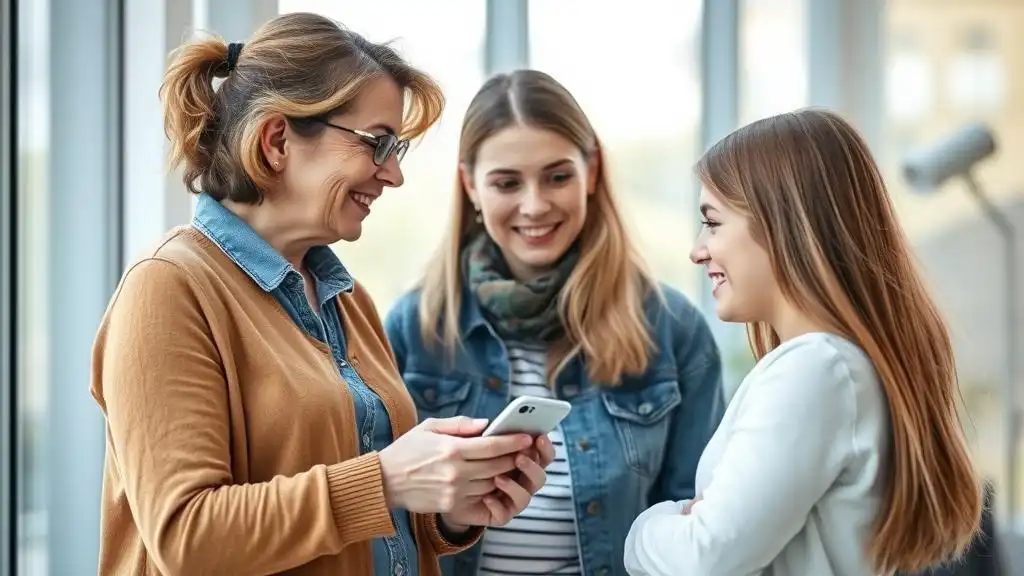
x: 256, y: 421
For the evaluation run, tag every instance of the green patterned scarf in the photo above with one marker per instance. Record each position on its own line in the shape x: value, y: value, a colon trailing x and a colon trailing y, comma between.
x: 517, y: 310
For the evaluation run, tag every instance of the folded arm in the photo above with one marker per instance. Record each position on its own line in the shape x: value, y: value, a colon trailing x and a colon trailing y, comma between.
x: 789, y: 443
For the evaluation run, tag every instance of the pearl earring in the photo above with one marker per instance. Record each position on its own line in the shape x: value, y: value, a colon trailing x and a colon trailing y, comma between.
x: 479, y: 217
x: 277, y: 164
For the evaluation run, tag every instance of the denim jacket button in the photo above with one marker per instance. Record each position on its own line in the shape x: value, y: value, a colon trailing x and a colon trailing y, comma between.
x: 430, y: 395
x: 583, y: 445
x: 594, y: 508
x: 494, y: 384
x: 399, y: 570
x: 570, y: 390
x: 645, y: 408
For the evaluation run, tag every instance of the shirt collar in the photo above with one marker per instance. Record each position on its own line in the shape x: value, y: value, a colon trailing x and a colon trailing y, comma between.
x: 258, y: 259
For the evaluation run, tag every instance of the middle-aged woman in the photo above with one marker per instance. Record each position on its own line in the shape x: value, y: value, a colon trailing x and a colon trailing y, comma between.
x: 538, y: 290
x: 256, y: 422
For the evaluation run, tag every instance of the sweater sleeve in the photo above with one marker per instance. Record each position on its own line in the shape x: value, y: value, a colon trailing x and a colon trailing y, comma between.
x: 790, y: 441
x: 160, y: 380
x: 444, y: 544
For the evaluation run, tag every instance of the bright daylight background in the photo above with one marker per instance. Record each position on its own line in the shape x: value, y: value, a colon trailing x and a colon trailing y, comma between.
x: 90, y: 187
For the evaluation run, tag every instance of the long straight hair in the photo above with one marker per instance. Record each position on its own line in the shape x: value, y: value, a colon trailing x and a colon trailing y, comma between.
x: 817, y: 203
x: 601, y: 305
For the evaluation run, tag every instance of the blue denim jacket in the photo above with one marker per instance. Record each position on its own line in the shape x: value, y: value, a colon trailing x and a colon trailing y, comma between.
x: 395, y: 556
x: 628, y: 447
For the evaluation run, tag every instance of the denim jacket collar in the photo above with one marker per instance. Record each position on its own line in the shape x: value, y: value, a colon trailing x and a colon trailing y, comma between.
x: 258, y: 259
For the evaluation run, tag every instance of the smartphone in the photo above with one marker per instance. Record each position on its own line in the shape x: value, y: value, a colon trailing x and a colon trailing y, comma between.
x: 529, y: 415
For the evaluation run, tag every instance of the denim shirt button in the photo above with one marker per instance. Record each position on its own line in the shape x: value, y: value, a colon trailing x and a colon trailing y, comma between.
x: 645, y: 408
x: 570, y: 390
x: 494, y: 384
x: 430, y: 395
x: 594, y: 508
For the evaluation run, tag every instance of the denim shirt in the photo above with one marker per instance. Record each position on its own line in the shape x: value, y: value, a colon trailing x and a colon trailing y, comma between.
x: 628, y: 446
x: 394, y: 556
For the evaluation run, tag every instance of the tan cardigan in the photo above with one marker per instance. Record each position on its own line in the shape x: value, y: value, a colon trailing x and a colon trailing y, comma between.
x: 231, y: 439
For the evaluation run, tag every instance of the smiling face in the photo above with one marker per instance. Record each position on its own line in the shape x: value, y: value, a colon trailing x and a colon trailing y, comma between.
x: 531, y: 187
x: 744, y: 286
x: 329, y: 181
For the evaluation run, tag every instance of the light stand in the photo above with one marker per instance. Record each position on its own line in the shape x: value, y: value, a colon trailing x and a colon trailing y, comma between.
x: 1007, y: 233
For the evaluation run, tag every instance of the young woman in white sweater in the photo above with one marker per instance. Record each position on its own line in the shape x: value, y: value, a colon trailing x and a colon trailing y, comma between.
x: 841, y: 453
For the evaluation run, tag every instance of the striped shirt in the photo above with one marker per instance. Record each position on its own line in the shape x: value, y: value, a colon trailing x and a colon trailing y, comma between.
x: 542, y: 539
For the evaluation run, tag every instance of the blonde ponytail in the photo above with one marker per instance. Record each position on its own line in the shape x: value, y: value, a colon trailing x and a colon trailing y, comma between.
x: 189, y: 104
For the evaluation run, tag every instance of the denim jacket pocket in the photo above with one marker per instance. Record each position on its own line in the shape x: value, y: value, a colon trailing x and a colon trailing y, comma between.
x: 437, y: 396
x: 642, y: 422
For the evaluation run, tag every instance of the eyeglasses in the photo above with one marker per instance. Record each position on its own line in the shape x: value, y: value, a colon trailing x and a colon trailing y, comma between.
x: 383, y: 146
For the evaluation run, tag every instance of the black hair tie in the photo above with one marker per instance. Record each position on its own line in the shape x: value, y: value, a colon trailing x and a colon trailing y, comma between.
x: 234, y: 49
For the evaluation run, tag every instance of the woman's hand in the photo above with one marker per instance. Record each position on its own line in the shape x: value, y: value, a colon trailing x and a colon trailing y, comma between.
x: 435, y: 468
x: 513, y: 491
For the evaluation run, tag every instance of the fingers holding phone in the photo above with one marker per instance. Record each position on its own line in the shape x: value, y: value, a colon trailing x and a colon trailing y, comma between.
x: 436, y: 468
x: 544, y: 451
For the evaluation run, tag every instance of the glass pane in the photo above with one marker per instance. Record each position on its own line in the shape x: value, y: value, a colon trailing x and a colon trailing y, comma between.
x: 773, y: 58
x: 645, y: 109
x: 407, y: 223
x: 32, y: 332
x: 949, y: 64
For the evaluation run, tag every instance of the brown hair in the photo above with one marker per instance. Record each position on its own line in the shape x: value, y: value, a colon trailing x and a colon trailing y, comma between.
x: 818, y: 204
x: 303, y: 66
x: 601, y: 304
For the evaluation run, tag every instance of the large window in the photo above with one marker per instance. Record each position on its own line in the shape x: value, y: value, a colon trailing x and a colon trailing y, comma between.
x: 407, y: 222
x: 635, y: 69
x: 773, y: 58
x: 32, y: 342
x: 948, y: 64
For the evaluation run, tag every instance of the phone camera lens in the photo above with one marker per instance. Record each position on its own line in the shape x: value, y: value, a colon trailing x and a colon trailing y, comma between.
x: 524, y: 409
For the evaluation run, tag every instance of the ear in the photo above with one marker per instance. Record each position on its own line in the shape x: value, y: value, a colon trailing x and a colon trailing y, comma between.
x: 593, y: 170
x: 466, y: 176
x: 273, y: 141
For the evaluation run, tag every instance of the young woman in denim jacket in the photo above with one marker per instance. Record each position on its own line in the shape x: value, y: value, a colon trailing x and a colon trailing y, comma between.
x: 537, y: 290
